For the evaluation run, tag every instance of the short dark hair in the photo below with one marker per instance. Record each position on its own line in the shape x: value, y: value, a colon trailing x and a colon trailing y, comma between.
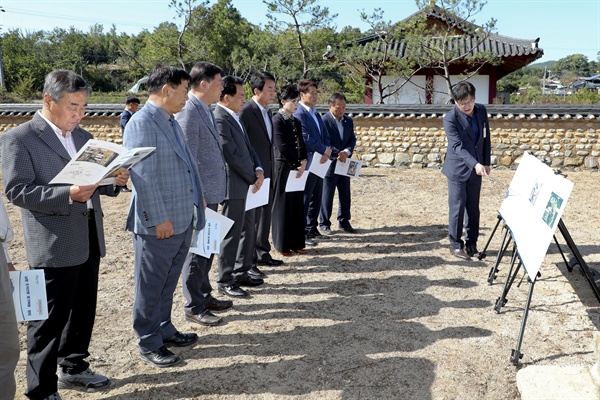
x: 305, y: 84
x: 335, y: 97
x: 259, y: 78
x: 132, y: 99
x: 229, y: 85
x: 166, y: 75
x: 288, y: 92
x: 204, y: 71
x: 463, y: 90
x: 61, y: 81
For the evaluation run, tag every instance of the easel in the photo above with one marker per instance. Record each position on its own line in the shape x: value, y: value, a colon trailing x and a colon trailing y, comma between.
x: 516, y: 354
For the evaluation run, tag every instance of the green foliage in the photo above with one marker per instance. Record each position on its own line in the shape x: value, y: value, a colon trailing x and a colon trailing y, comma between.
x: 577, y: 63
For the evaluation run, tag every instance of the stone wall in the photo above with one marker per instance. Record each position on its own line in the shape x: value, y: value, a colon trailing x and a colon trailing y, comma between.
x: 420, y: 142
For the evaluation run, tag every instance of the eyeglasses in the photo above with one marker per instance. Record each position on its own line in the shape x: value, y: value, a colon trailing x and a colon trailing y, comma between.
x: 466, y: 102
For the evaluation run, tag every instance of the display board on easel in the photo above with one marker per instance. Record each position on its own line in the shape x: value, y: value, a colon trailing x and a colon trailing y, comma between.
x: 532, y: 208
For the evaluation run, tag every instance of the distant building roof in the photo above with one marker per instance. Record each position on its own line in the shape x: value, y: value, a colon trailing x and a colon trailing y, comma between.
x: 514, y: 53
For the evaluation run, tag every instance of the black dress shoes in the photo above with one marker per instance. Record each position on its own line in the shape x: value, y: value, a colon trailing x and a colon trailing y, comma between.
x: 460, y: 253
x: 206, y: 318
x: 218, y: 305
x: 270, y: 262
x: 248, y: 280
x: 181, y: 339
x: 161, y: 358
x: 471, y: 250
x: 348, y: 228
x: 256, y: 273
x: 233, y: 291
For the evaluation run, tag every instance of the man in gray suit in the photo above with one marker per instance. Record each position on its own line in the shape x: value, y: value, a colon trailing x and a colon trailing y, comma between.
x: 63, y: 232
x: 256, y: 118
x: 243, y: 170
x: 166, y: 205
x: 200, y: 130
x: 467, y: 160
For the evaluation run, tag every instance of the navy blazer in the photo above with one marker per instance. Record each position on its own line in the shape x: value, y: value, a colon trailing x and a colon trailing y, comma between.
x: 315, y: 137
x: 337, y: 143
x: 463, y: 151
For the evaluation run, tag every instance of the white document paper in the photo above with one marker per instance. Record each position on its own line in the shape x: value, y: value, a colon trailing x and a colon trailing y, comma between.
x: 29, y: 295
x: 99, y: 162
x: 349, y: 168
x: 208, y: 240
x: 317, y: 168
x: 295, y: 184
x: 259, y: 198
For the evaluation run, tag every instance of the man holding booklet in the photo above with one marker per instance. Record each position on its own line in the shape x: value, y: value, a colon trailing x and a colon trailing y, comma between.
x: 340, y: 129
x: 63, y: 231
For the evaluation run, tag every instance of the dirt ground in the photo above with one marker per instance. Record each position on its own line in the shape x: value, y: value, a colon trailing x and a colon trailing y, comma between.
x: 386, y: 313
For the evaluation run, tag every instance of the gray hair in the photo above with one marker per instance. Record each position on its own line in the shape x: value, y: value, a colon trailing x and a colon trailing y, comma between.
x: 61, y: 81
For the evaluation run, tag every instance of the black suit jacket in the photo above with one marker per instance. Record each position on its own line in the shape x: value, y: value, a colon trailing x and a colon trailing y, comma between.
x: 253, y: 121
x: 463, y: 151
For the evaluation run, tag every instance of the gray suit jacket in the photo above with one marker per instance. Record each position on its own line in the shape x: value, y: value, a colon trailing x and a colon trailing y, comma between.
x: 205, y: 144
x: 55, y: 231
x: 254, y: 123
x: 241, y: 158
x: 162, y: 188
x: 463, y: 151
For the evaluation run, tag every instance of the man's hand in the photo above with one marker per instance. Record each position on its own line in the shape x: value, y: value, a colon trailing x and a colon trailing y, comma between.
x: 260, y: 177
x: 342, y: 156
x: 480, y: 170
x: 488, y: 169
x: 325, y: 156
x: 164, y: 230
x: 82, y: 193
x: 11, y: 267
x: 122, y: 178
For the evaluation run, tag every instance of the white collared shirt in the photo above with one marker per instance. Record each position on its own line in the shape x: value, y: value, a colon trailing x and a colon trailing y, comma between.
x: 234, y: 115
x: 265, y: 114
x: 313, y: 113
x: 68, y: 144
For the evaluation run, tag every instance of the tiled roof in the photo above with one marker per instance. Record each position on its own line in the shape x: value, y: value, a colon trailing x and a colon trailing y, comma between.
x: 495, y: 111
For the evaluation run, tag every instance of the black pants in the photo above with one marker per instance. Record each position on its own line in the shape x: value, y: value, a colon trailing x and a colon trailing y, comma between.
x: 65, y: 336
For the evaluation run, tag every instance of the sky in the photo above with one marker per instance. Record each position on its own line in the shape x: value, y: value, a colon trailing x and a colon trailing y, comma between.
x: 564, y: 28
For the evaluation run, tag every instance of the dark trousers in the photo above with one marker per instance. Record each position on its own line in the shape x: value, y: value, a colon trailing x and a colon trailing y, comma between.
x: 195, y: 281
x: 233, y: 251
x: 330, y: 183
x: 157, y: 268
x: 312, y: 202
x: 263, y: 229
x: 65, y: 336
x: 463, y: 204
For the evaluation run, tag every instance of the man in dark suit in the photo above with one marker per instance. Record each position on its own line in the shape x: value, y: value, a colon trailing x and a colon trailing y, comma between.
x: 340, y: 129
x: 63, y: 231
x: 256, y: 118
x: 243, y: 170
x: 131, y: 105
x: 200, y: 130
x: 316, y: 140
x: 166, y: 205
x: 467, y: 160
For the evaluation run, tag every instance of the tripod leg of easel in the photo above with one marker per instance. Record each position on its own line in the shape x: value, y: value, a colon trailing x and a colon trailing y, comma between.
x: 569, y: 268
x: 516, y: 354
x: 482, y: 254
x: 494, y: 271
x: 501, y: 301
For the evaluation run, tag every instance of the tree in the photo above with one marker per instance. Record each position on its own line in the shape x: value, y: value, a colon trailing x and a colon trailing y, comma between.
x: 185, y: 9
x: 301, y: 18
x: 576, y: 63
x: 438, y: 45
x: 375, y: 60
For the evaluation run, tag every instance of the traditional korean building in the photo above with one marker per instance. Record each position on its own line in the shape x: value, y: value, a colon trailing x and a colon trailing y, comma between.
x: 428, y: 87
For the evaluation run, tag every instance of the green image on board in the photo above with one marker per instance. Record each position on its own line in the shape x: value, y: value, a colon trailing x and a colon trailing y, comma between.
x: 552, y: 209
